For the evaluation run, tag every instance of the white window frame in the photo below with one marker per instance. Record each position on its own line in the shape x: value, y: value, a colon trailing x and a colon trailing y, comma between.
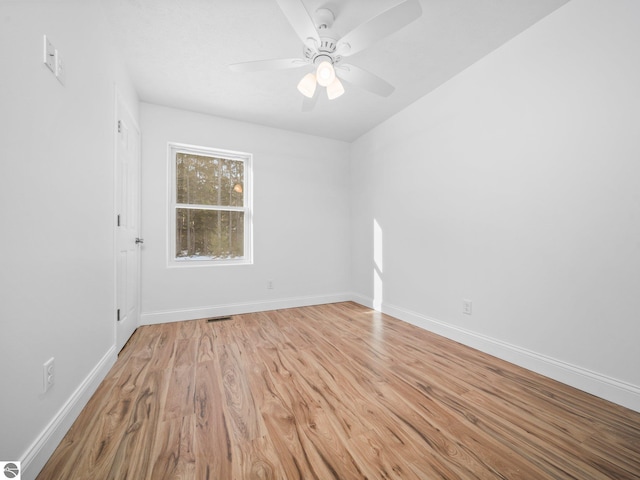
x: 247, y: 208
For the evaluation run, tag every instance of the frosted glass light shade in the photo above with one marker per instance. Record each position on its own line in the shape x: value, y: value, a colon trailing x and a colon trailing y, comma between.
x: 325, y: 74
x: 335, y: 89
x: 307, y: 85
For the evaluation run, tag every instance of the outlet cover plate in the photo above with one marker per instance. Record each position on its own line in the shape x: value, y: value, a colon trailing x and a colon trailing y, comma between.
x: 48, y: 374
x: 466, y: 307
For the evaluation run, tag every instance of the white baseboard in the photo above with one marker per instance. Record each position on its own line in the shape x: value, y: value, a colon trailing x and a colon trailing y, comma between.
x: 150, y: 318
x: 41, y: 449
x: 602, y: 386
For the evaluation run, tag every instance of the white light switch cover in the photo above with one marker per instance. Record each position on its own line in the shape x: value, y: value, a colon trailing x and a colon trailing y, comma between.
x: 49, y: 54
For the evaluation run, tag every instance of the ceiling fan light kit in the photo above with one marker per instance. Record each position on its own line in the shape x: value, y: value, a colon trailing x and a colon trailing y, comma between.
x: 335, y: 89
x: 307, y: 85
x: 325, y: 74
x: 325, y: 53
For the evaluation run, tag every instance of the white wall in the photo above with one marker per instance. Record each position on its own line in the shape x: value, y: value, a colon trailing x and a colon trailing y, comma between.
x: 517, y: 185
x: 57, y: 204
x: 300, y: 228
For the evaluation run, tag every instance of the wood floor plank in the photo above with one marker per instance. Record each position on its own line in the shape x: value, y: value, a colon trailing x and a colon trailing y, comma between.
x: 244, y: 424
x: 132, y: 458
x: 334, y: 392
x: 280, y: 422
x: 206, y: 342
x: 212, y: 442
x: 163, y: 355
x: 179, y: 396
x: 174, y: 455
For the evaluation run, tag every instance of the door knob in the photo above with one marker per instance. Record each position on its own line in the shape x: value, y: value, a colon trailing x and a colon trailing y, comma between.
x: 139, y: 240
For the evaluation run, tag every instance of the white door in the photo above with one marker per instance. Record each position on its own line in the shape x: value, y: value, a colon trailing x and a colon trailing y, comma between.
x: 128, y: 243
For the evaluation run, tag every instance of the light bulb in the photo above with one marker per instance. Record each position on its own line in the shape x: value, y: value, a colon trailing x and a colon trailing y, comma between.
x: 307, y: 85
x: 325, y: 73
x: 335, y: 89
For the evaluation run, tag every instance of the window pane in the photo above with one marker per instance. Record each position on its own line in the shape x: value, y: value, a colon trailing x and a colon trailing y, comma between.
x: 203, y: 180
x: 209, y: 234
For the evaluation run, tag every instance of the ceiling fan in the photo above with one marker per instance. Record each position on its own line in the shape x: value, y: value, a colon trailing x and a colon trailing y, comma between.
x: 325, y: 52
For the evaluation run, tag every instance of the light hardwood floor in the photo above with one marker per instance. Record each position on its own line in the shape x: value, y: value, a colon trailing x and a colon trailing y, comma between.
x: 334, y: 391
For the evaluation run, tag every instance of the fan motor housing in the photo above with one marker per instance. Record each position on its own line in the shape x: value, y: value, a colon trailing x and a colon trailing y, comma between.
x: 324, y: 52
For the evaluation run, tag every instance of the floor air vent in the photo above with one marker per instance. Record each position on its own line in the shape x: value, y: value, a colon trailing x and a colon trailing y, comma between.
x: 218, y: 319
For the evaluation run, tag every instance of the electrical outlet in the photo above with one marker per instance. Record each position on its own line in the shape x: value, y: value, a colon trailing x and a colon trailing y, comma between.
x: 466, y: 307
x: 270, y: 284
x: 48, y: 374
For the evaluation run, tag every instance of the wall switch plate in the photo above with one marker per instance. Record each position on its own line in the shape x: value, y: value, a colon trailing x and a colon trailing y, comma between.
x: 48, y: 374
x: 466, y: 307
x: 60, y: 69
x: 49, y: 56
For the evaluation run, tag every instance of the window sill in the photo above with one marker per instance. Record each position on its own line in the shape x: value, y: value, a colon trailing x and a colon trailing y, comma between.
x: 208, y: 263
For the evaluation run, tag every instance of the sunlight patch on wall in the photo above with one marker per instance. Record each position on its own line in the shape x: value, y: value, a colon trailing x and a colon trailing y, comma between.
x: 377, y: 266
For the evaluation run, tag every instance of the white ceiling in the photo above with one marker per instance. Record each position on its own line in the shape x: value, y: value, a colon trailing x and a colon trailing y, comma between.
x: 177, y: 52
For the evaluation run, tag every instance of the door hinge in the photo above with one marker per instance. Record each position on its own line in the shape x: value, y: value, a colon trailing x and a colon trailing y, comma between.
x: 118, y: 220
x: 118, y: 315
x: 119, y: 126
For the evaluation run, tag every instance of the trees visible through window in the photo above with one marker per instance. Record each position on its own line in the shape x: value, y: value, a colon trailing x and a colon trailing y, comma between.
x: 210, y: 207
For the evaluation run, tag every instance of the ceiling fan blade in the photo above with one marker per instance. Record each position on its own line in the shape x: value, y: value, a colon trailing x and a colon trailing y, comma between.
x: 378, y: 27
x: 261, y: 65
x: 363, y: 79
x: 309, y: 104
x: 299, y: 19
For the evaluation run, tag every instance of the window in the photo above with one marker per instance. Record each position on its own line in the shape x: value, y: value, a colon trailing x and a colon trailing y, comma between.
x: 210, y: 206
